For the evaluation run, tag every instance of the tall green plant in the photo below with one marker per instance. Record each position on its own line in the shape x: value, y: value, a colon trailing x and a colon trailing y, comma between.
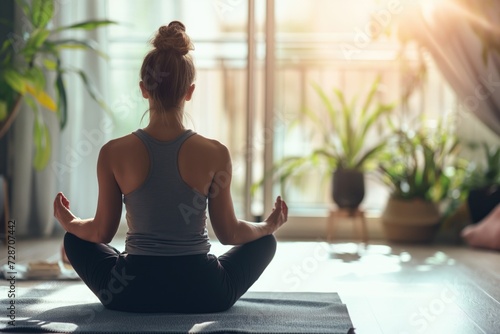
x: 26, y: 62
x: 344, y: 128
x: 347, y: 126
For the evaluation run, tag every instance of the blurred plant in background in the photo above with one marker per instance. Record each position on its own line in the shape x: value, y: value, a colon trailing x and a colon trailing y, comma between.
x: 31, y: 68
x: 423, y: 163
x: 344, y: 128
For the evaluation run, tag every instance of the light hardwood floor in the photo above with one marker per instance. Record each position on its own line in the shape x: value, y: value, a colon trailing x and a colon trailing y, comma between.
x: 387, y: 288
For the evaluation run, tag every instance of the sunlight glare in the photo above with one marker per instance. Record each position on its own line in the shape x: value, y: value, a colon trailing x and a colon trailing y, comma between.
x: 455, y: 8
x: 429, y: 6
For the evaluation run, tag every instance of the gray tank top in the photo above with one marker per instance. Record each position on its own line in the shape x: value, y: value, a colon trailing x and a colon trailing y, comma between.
x: 165, y: 216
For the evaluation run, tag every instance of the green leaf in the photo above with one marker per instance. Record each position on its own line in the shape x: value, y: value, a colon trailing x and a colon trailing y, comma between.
x: 92, y: 90
x: 42, y: 141
x: 25, y: 7
x: 41, y: 12
x: 15, y: 80
x: 370, y: 96
x: 330, y: 157
x: 62, y: 102
x: 369, y: 155
x: 30, y: 101
x: 3, y: 110
x: 317, y: 122
x: 36, y: 77
x: 38, y: 38
x: 87, y: 25
x: 366, y: 124
x: 49, y: 64
x: 329, y: 106
x: 346, y: 136
x: 6, y: 44
x: 78, y: 45
x: 34, y: 43
x: 42, y: 97
x: 6, y: 60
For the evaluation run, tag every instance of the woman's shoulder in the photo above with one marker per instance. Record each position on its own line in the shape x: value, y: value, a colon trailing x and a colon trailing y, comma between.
x: 117, y: 145
x: 117, y: 142
x: 208, y: 147
x: 208, y: 143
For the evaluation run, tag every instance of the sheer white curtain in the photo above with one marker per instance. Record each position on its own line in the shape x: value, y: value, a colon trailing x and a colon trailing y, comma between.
x: 457, y: 50
x: 88, y: 126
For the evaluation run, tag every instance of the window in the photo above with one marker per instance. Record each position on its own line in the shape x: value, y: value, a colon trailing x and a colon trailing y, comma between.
x: 321, y: 41
x: 219, y: 35
x: 327, y: 42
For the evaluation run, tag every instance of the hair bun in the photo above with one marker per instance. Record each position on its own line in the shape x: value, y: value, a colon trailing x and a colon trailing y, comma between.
x: 173, y: 37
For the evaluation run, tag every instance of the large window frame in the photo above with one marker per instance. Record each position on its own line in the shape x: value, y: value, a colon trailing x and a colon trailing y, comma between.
x: 262, y: 126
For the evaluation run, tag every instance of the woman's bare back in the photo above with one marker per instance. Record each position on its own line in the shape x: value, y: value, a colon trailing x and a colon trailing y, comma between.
x: 198, y: 161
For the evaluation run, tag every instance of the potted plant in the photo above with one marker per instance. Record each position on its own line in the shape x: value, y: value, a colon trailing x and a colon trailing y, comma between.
x: 33, y: 93
x: 345, y: 148
x: 482, y: 184
x: 423, y: 170
x: 480, y: 194
x: 31, y: 63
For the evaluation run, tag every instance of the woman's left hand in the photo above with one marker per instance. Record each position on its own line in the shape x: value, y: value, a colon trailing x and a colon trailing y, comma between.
x: 61, y: 210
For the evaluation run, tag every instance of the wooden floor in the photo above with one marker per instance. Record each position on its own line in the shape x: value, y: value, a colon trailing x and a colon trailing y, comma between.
x: 387, y: 289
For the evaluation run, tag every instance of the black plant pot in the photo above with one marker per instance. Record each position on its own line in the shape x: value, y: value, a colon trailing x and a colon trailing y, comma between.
x: 348, y: 188
x: 482, y: 201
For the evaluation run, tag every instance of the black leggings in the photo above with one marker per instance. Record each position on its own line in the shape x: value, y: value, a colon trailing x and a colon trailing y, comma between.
x: 181, y: 284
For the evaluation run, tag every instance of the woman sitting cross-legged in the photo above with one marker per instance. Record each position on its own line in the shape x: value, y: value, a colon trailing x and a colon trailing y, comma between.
x: 167, y: 176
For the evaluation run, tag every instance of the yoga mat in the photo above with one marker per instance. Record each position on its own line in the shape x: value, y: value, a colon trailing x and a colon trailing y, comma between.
x: 69, y: 307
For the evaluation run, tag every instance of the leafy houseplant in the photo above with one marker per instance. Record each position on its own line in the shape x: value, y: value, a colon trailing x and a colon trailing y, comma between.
x: 422, y: 170
x: 482, y: 187
x: 344, y: 128
x: 481, y: 192
x: 488, y: 175
x: 26, y: 62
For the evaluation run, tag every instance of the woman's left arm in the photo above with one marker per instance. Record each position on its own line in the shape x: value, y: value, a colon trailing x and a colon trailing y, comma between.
x: 102, y: 228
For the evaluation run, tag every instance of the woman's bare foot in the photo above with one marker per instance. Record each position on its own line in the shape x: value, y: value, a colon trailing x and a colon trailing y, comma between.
x: 486, y: 233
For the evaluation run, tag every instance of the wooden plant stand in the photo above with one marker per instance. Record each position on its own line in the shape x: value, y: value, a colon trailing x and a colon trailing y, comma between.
x: 354, y: 215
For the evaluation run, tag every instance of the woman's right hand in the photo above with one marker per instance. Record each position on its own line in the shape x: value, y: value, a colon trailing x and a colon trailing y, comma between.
x: 279, y: 216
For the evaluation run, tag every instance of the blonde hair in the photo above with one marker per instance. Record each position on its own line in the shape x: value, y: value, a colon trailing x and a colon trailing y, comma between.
x: 168, y: 70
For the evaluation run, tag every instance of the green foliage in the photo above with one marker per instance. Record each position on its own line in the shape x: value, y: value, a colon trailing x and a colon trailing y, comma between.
x: 423, y: 164
x: 487, y: 174
x: 3, y: 110
x: 344, y: 128
x: 25, y: 65
x: 87, y: 25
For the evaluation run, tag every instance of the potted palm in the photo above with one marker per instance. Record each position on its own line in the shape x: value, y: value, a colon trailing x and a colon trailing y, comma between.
x: 31, y: 67
x: 422, y: 170
x: 346, y: 147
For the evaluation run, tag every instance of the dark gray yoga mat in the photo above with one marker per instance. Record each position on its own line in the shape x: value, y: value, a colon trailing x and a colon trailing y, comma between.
x: 69, y: 307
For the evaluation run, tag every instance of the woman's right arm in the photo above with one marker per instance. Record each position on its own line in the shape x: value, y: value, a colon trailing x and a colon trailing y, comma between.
x: 228, y: 229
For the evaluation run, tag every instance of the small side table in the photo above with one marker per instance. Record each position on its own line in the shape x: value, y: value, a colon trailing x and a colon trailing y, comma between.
x: 354, y: 215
